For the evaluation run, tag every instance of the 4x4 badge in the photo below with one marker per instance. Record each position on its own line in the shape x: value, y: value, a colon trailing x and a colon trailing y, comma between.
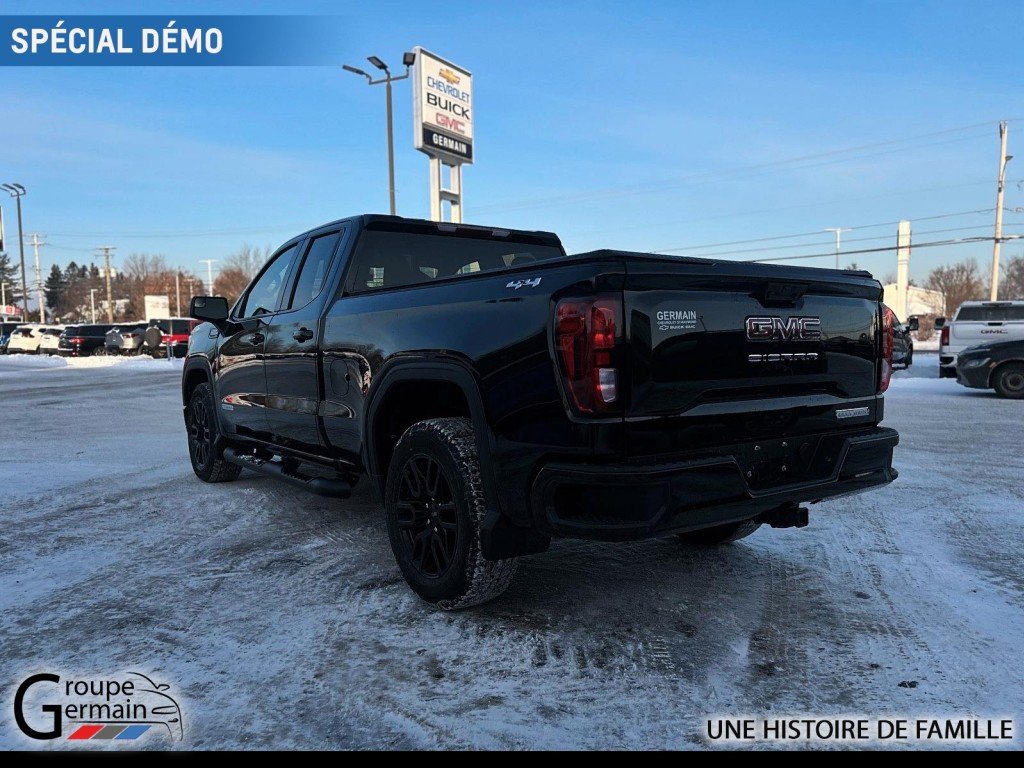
x: 532, y: 282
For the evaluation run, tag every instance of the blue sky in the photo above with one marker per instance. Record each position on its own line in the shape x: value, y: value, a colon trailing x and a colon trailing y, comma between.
x: 647, y: 126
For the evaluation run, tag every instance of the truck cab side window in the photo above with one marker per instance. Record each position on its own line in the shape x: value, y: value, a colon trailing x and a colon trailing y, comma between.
x: 265, y: 294
x: 313, y: 274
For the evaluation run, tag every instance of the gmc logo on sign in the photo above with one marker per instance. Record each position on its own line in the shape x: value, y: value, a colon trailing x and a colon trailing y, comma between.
x: 451, y: 123
x: 777, y: 329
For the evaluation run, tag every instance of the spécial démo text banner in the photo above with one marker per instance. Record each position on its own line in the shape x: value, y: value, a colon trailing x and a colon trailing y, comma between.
x: 171, y: 40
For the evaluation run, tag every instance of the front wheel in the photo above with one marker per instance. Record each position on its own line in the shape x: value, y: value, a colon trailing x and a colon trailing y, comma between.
x: 1008, y: 381
x: 434, y: 502
x: 720, y: 534
x: 201, y: 424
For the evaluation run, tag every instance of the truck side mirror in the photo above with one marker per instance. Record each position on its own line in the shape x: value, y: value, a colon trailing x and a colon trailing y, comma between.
x: 940, y: 322
x: 210, y: 309
x: 913, y: 323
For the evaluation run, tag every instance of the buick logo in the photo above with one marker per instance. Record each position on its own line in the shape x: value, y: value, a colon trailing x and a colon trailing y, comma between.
x: 771, y: 328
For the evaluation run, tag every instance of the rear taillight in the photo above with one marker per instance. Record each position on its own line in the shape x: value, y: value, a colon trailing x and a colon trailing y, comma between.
x: 586, y: 333
x: 77, y: 340
x: 944, y: 337
x: 888, y: 330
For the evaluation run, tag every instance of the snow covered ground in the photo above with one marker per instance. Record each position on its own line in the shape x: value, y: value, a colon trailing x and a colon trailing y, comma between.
x: 282, y: 620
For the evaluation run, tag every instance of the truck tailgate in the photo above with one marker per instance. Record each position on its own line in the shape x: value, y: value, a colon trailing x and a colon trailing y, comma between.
x: 732, y: 349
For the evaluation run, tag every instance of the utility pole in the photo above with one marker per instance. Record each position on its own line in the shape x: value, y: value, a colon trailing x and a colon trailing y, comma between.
x: 839, y: 239
x: 17, y: 191
x: 36, y: 242
x: 209, y: 274
x: 92, y: 303
x: 177, y: 292
x: 106, y: 273
x: 997, y: 239
x: 902, y: 269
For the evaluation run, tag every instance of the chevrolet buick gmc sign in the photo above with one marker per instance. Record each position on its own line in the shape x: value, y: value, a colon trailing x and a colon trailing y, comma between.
x: 442, y: 108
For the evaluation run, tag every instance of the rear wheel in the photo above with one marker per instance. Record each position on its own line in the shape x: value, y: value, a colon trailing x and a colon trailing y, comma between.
x: 1008, y: 380
x: 434, y: 502
x: 201, y: 424
x: 720, y: 534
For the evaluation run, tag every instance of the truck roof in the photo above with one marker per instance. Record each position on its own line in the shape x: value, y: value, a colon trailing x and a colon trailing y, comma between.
x: 380, y: 221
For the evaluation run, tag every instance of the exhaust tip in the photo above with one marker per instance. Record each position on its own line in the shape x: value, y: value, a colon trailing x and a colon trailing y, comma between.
x: 790, y: 516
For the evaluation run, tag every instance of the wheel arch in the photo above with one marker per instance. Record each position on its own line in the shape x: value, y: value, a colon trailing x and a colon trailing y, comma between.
x: 999, y: 366
x: 411, y: 390
x: 196, y: 371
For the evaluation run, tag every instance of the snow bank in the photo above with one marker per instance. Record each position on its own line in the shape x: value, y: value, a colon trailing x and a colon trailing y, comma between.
x: 44, y: 362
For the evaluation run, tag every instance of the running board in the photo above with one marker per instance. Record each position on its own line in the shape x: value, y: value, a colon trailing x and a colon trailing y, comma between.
x: 322, y: 486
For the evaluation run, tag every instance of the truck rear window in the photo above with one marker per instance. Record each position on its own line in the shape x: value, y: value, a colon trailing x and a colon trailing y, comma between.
x: 385, y: 259
x: 991, y: 314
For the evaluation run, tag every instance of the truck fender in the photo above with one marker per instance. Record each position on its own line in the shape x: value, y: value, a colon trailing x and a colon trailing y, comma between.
x: 499, y: 537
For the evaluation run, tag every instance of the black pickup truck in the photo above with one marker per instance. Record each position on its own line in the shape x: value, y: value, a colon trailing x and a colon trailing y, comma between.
x: 498, y: 392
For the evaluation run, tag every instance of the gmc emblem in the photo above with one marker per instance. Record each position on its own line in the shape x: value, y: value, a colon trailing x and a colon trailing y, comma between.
x: 777, y: 329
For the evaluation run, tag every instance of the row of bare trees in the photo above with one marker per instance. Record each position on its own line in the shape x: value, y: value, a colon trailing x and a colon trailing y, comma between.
x: 239, y: 268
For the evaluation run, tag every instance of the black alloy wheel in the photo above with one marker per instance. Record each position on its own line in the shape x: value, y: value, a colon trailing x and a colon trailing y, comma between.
x: 427, y: 519
x: 200, y: 436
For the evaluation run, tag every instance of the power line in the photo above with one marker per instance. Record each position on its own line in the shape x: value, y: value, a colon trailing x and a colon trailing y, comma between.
x: 818, y: 231
x: 936, y: 244
x: 760, y: 167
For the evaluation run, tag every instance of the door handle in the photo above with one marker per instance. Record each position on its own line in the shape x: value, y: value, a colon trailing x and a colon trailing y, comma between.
x: 303, y: 334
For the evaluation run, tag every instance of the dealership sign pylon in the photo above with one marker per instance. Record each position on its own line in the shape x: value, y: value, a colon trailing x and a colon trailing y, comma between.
x: 442, y: 108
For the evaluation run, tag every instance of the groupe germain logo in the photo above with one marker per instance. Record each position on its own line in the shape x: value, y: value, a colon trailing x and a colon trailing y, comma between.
x: 115, y: 709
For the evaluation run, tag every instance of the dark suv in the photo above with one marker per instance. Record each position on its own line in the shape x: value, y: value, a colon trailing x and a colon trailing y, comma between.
x: 83, y: 340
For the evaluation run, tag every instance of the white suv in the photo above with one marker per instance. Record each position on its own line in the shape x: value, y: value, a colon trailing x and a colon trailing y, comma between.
x: 978, y: 322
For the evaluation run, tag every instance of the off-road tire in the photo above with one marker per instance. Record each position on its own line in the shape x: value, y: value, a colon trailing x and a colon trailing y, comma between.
x: 720, y: 534
x: 1008, y: 380
x: 201, y: 427
x: 467, y: 579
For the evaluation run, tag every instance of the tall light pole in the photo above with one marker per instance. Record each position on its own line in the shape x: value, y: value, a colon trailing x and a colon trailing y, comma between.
x: 16, y: 191
x: 997, y: 239
x: 209, y: 273
x: 408, y: 59
x: 839, y: 239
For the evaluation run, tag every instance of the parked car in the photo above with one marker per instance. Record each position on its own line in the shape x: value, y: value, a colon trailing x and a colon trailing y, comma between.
x: 83, y: 340
x: 174, y: 332
x: 6, y: 329
x: 998, y: 366
x: 498, y: 392
x: 977, y: 322
x: 903, y: 342
x: 50, y: 341
x: 124, y: 339
x: 25, y: 339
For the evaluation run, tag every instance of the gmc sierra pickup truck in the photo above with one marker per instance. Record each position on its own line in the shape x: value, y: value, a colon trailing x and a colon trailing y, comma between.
x: 498, y: 392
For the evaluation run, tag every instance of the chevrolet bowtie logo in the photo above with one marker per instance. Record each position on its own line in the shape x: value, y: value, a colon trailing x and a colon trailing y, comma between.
x: 449, y: 77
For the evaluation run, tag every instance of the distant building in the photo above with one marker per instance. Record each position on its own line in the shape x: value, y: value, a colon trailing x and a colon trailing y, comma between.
x: 920, y: 301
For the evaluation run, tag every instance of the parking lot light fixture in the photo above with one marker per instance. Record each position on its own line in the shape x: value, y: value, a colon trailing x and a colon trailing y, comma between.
x: 17, y: 191
x: 408, y: 59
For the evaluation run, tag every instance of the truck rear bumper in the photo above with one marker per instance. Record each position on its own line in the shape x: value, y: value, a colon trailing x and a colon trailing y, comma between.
x: 642, y: 500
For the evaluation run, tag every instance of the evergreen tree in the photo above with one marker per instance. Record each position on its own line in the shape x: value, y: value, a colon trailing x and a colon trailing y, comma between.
x: 10, y: 276
x: 54, y: 287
